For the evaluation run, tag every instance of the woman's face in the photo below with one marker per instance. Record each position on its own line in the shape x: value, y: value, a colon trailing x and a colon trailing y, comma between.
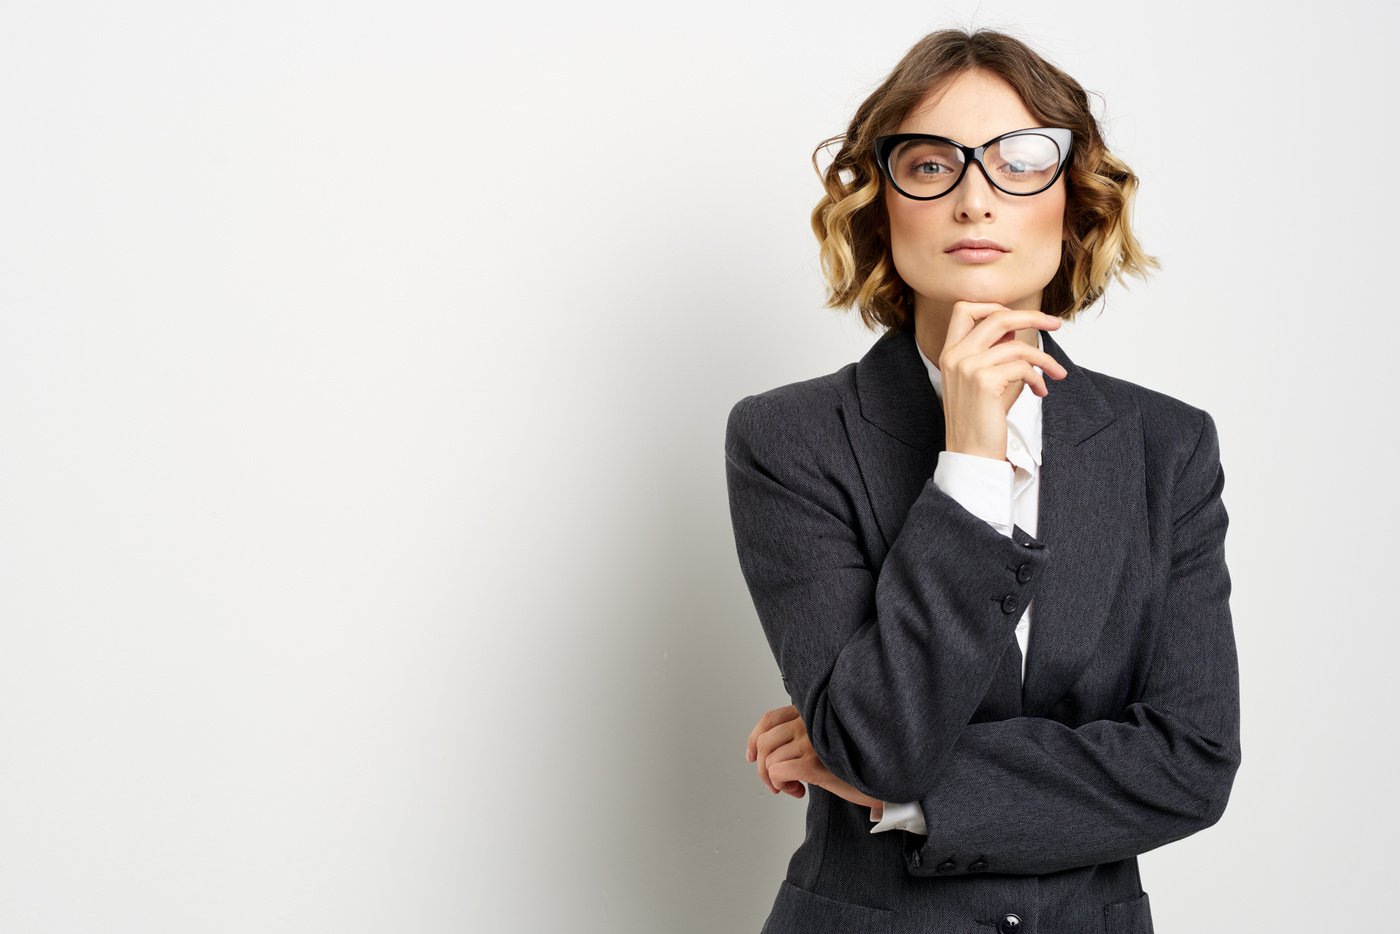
x: 973, y: 108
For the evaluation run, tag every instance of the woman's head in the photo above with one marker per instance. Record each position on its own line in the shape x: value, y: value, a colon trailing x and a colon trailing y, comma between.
x: 885, y: 252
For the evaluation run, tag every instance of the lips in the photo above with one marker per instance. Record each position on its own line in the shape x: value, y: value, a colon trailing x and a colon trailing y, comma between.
x: 976, y: 243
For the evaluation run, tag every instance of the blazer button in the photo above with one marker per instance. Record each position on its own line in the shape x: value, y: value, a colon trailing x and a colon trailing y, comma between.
x: 978, y: 866
x: 947, y: 866
x: 1024, y: 573
x: 1009, y: 604
x: 1009, y: 924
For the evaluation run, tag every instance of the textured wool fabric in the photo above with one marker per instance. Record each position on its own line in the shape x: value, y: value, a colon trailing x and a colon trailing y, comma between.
x: 890, y: 610
x: 1004, y: 493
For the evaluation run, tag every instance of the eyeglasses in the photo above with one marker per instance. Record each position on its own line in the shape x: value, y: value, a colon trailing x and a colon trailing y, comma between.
x: 1023, y: 162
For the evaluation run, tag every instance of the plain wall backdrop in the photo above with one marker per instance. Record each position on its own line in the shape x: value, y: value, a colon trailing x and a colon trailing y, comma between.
x: 365, y: 557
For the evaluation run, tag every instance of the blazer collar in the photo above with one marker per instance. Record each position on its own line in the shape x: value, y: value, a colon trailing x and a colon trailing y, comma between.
x: 1091, y: 483
x: 897, y: 396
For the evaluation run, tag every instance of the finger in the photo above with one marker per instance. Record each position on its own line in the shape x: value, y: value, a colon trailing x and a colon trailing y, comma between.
x: 777, y: 746
x: 764, y: 777
x: 785, y: 751
x: 1013, y: 350
x: 1037, y: 383
x: 1046, y: 363
x: 784, y: 724
x: 965, y: 315
x: 772, y: 718
x: 761, y: 765
x: 765, y: 722
x: 995, y: 327
x: 751, y: 747
x: 788, y: 779
x: 784, y: 776
x: 999, y: 379
x: 765, y: 743
x: 795, y: 789
x: 992, y: 329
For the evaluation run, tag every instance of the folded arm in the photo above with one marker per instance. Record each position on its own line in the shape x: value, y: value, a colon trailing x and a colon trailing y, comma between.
x: 985, y: 486
x: 886, y: 668
x: 1032, y: 795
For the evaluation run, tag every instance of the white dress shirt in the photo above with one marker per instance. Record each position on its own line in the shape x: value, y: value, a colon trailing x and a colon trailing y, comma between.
x: 1000, y: 493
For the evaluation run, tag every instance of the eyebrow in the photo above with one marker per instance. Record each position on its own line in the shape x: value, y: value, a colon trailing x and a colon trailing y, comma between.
x: 989, y: 139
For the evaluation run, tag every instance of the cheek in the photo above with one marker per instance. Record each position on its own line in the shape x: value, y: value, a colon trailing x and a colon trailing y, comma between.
x: 1045, y: 228
x: 909, y: 227
x: 1054, y: 219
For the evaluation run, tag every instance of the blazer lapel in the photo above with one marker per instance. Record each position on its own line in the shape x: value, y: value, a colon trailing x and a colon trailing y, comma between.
x: 901, y: 430
x: 1090, y: 471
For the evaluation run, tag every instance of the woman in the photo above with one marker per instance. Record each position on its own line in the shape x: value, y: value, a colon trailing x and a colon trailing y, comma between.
x: 999, y: 604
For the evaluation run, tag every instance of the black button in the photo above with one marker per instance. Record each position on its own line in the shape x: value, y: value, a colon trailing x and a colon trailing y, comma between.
x: 1010, y: 603
x: 947, y: 866
x: 978, y: 866
x: 1008, y: 924
x: 1024, y: 573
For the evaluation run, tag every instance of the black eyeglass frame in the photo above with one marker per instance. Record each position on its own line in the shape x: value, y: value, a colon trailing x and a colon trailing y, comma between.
x: 1061, y: 137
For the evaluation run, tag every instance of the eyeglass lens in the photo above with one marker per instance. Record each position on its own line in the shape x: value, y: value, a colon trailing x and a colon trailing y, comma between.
x: 1019, y: 164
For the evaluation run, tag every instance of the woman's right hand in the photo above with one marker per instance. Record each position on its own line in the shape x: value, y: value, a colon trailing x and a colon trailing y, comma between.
x: 984, y: 368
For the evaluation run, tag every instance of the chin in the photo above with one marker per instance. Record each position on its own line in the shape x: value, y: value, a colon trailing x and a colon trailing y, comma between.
x: 977, y: 293
x: 980, y: 288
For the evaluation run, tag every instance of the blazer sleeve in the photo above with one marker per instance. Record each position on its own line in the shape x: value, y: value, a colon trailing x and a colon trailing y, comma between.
x: 985, y: 486
x: 1032, y: 796
x: 886, y: 666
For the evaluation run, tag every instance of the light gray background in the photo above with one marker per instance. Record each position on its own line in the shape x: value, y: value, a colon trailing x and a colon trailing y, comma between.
x: 365, y: 562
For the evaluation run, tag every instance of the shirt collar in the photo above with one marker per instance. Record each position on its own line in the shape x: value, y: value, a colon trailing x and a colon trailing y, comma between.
x: 1024, y: 418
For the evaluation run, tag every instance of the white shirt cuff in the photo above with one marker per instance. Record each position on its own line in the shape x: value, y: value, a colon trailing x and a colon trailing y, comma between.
x: 982, y: 485
x: 908, y: 816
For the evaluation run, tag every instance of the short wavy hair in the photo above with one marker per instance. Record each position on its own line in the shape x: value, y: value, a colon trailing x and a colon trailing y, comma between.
x: 851, y: 223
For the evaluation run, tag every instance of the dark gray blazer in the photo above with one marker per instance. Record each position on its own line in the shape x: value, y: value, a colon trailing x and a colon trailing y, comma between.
x: 890, y: 609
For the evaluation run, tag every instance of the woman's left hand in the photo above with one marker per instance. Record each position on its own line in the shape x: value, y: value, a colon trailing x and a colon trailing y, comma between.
x: 786, y: 759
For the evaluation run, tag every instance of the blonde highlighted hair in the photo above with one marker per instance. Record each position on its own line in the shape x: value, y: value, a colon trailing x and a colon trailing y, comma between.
x: 850, y: 220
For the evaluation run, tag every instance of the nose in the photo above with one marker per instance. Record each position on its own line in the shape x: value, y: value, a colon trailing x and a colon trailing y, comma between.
x: 974, y: 196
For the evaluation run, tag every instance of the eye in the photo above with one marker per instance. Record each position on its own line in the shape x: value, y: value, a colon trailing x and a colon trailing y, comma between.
x: 932, y: 165
x: 1024, y: 157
